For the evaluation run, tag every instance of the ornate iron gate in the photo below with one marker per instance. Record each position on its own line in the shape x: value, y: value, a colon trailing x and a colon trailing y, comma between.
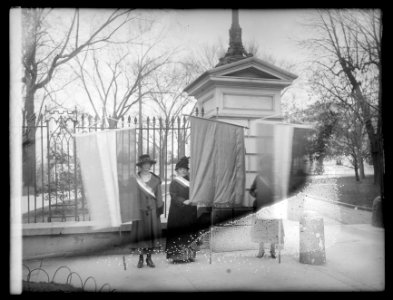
x: 57, y: 191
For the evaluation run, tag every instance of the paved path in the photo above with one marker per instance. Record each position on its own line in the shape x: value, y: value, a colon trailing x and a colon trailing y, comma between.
x: 355, y: 262
x: 354, y: 252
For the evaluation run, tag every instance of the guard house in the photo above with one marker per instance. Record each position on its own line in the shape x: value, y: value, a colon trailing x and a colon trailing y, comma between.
x: 241, y: 88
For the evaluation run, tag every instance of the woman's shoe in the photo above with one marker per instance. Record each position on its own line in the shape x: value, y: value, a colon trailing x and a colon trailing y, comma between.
x: 149, y: 262
x: 261, y: 254
x: 140, y: 262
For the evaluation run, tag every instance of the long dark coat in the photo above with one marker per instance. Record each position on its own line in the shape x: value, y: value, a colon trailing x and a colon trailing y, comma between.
x: 182, y: 220
x: 262, y: 190
x: 146, y: 232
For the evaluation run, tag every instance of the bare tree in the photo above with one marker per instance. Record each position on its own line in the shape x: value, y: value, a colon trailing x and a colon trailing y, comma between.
x: 252, y: 47
x: 112, y: 96
x: 349, y: 51
x: 171, y: 102
x: 349, y: 139
x: 207, y: 56
x: 45, y: 52
x: 203, y: 58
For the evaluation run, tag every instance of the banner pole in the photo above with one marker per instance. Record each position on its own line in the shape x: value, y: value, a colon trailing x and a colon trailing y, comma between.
x: 215, y: 120
x: 279, y: 241
x: 210, y: 237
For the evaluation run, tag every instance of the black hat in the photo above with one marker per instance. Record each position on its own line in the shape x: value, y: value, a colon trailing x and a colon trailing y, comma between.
x: 145, y: 158
x: 182, y: 163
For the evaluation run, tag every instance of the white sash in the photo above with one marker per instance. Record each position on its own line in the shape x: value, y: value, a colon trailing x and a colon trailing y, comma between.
x: 145, y: 188
x: 184, y: 182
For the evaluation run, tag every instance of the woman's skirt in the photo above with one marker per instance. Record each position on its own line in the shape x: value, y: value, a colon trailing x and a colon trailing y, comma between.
x: 181, y: 242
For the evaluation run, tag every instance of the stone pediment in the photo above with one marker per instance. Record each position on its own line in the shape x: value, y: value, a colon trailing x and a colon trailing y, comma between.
x: 251, y: 72
x: 245, y: 71
x: 253, y: 68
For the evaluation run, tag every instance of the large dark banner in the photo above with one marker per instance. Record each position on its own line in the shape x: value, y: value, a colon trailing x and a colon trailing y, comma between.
x: 217, y: 163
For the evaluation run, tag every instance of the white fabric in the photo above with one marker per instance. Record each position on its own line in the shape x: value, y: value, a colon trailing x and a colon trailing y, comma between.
x: 97, y: 157
x: 276, y: 140
x: 106, y: 143
x: 283, y: 136
x: 274, y: 211
x: 184, y: 182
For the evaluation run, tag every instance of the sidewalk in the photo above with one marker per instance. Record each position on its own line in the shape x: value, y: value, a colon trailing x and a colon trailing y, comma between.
x: 354, y: 253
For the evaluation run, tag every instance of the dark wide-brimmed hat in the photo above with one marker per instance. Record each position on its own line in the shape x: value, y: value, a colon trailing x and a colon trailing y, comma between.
x: 145, y: 158
x: 182, y: 163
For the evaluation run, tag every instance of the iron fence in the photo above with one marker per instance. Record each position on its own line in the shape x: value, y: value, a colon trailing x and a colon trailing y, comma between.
x: 56, y: 189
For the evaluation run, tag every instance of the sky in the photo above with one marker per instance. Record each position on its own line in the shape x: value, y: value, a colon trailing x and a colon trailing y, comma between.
x: 277, y: 33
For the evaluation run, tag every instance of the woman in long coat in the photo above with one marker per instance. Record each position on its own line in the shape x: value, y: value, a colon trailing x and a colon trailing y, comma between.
x: 146, y: 232
x: 181, y: 244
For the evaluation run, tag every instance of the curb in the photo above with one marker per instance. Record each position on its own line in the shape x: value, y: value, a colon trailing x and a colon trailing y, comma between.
x: 355, y: 207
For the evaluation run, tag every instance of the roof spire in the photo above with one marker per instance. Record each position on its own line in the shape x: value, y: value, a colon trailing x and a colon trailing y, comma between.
x: 236, y: 50
x: 235, y: 18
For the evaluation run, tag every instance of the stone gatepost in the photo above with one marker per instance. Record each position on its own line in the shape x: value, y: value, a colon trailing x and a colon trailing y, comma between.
x: 242, y: 93
x: 241, y: 89
x: 311, y: 239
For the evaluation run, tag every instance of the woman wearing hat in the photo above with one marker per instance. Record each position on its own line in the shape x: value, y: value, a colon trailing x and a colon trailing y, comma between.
x: 181, y: 229
x: 145, y: 233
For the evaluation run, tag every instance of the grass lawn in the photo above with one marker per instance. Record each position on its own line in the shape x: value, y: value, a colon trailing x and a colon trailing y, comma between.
x: 344, y: 188
x: 338, y: 183
x: 357, y: 193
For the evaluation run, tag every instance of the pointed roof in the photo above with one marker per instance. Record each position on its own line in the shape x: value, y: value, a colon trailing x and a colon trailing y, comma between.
x: 248, y: 71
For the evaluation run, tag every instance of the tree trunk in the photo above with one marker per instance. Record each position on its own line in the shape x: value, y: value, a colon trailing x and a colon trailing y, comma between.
x: 356, y: 167
x: 182, y: 144
x: 361, y: 167
x: 376, y: 158
x: 374, y: 138
x: 319, y: 169
x: 28, y: 150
